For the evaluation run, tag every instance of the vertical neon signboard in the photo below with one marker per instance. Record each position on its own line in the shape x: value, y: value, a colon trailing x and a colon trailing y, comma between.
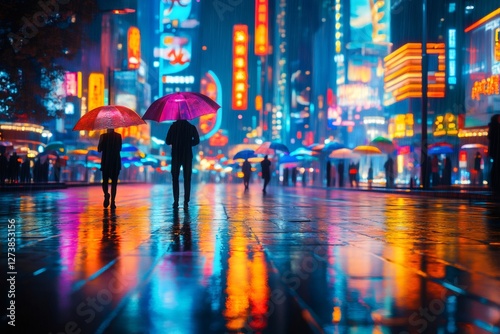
x: 261, y: 27
x: 240, y: 67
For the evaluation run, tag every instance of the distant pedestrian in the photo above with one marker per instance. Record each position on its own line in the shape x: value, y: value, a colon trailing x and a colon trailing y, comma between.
x: 4, y: 166
x: 389, y: 172
x: 447, y: 170
x: 285, y: 176
x: 328, y: 173
x: 435, y: 171
x: 341, y: 173
x: 370, y: 177
x: 110, y: 144
x: 26, y: 171
x: 494, y: 152
x: 246, y: 168
x: 14, y: 168
x: 477, y: 168
x: 294, y: 176
x: 182, y: 135
x: 266, y: 172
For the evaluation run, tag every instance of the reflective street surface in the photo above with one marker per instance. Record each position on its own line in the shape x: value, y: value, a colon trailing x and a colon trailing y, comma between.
x: 296, y: 260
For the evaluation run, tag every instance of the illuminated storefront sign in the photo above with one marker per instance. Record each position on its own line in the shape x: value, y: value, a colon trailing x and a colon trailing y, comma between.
x: 488, y: 86
x: 452, y: 56
x: 96, y: 90
x: 211, y: 87
x: 401, y: 126
x: 73, y: 84
x: 240, y: 67
x: 133, y: 48
x: 445, y: 125
x: 482, y: 70
x: 261, y: 27
x: 403, y: 72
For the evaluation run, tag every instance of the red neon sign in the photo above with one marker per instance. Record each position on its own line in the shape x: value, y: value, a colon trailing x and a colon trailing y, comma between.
x: 240, y: 67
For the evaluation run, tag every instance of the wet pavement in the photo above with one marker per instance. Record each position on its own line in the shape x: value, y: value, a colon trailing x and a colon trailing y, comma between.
x: 296, y: 260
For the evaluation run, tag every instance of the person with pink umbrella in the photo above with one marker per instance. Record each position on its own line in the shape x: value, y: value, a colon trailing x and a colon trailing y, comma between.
x: 182, y: 135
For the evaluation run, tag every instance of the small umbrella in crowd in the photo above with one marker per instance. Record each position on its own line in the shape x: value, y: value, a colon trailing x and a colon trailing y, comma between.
x: 245, y: 154
x: 367, y: 150
x: 271, y: 148
x: 108, y: 117
x: 383, y: 144
x: 343, y: 153
x: 181, y: 105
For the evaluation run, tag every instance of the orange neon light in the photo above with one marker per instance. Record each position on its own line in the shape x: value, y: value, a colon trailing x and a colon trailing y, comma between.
x: 487, y: 86
x: 133, y: 48
x: 261, y: 28
x: 483, y: 20
x: 240, y: 67
x: 403, y: 73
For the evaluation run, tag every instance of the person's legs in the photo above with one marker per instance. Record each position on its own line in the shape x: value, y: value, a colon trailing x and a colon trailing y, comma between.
x: 105, y: 181
x: 176, y: 168
x: 187, y: 171
x: 114, y: 184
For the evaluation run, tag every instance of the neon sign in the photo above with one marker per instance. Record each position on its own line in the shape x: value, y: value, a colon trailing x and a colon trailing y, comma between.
x: 488, y: 86
x: 240, y: 67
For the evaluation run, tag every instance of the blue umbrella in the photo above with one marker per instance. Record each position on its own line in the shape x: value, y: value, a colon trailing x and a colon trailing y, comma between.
x: 279, y: 147
x: 440, y: 150
x: 245, y: 154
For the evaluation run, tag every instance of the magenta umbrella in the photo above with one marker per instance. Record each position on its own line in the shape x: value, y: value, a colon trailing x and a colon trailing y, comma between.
x: 182, y: 105
x: 108, y: 117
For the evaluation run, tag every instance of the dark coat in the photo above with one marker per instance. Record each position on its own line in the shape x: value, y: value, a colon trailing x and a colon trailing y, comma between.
x: 266, y: 168
x: 110, y: 144
x: 182, y: 135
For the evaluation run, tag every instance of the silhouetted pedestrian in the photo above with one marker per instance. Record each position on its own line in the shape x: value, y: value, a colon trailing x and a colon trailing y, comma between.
x: 328, y: 173
x: 246, y: 168
x: 26, y: 171
x: 370, y: 177
x: 341, y: 173
x: 182, y: 135
x: 110, y: 144
x: 389, y: 172
x: 285, y: 176
x: 478, y: 177
x: 494, y: 152
x: 266, y: 172
x: 435, y: 171
x: 294, y: 176
x: 447, y: 169
x: 4, y: 166
x: 14, y: 168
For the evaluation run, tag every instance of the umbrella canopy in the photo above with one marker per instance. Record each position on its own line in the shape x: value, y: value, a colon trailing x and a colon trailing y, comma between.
x: 440, y: 150
x: 108, y: 117
x: 271, y: 147
x: 244, y: 154
x: 384, y: 144
x: 316, y: 147
x: 181, y: 105
x: 474, y: 146
x: 129, y: 148
x: 56, y: 146
x: 343, y: 153
x: 302, y: 151
x: 367, y: 150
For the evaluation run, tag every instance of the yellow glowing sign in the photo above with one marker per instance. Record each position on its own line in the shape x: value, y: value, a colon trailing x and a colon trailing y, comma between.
x: 134, y: 48
x: 488, y: 86
x: 96, y: 90
x: 240, y: 67
x: 261, y: 27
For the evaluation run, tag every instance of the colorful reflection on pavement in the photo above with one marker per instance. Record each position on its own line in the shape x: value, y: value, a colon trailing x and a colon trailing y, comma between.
x: 296, y: 260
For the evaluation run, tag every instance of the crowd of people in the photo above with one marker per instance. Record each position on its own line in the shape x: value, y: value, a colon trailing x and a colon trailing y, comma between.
x: 16, y: 169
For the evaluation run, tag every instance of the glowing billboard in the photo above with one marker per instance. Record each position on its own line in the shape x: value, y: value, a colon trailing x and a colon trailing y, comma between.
x: 482, y: 70
x: 370, y: 21
x: 403, y: 72
x: 96, y: 90
x: 133, y: 48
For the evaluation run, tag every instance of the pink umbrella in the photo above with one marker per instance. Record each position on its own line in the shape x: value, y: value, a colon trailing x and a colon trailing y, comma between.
x: 108, y: 117
x: 182, y: 105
